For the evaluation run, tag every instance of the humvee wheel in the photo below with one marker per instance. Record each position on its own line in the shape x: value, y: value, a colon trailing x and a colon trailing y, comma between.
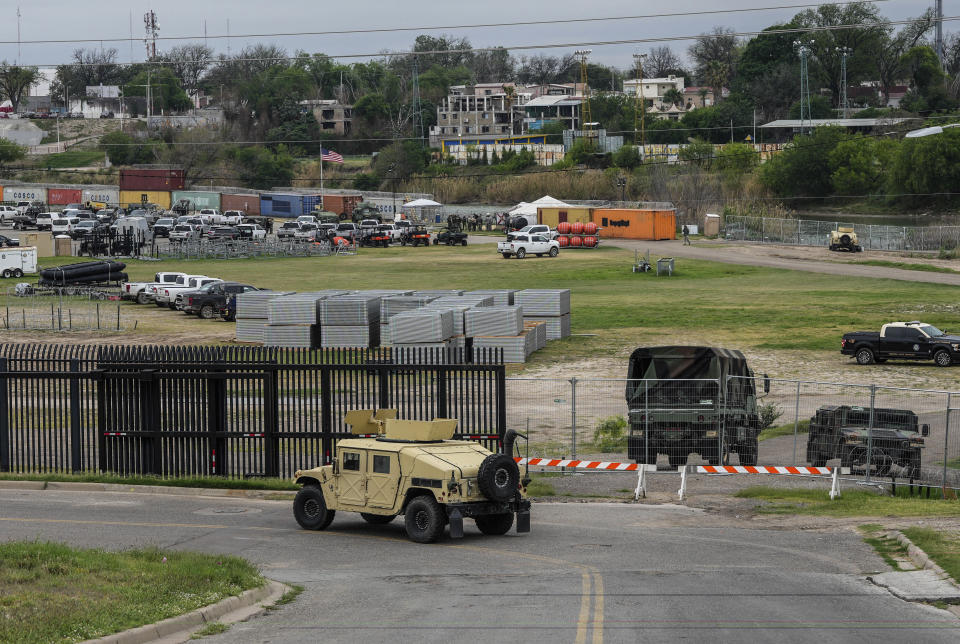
x: 748, y: 452
x: 310, y: 510
x: 424, y: 519
x: 819, y: 461
x: 677, y: 461
x: 498, y: 477
x: 942, y: 358
x: 378, y: 519
x: 495, y: 523
x: 865, y: 356
x: 463, y: 242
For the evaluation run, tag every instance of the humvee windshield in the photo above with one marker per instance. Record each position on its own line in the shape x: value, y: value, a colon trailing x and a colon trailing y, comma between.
x: 883, y: 418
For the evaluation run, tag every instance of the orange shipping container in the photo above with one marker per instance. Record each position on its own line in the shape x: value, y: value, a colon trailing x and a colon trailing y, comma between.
x: 553, y: 216
x: 633, y: 223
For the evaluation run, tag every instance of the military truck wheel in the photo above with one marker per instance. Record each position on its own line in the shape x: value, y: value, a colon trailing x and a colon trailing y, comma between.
x: 495, y: 524
x: 141, y: 298
x: 676, y: 461
x: 436, y: 242
x: 424, y: 519
x: 942, y: 358
x: 865, y: 356
x: 310, y: 510
x: 748, y: 452
x: 818, y: 461
x: 463, y: 242
x: 377, y: 519
x: 913, y: 470
x: 498, y: 477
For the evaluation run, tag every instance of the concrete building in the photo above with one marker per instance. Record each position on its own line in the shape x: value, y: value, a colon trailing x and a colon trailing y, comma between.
x: 556, y: 108
x: 484, y: 109
x: 653, y: 88
x: 334, y: 117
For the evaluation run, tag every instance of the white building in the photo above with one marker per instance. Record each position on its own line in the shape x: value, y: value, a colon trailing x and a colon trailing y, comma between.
x: 653, y: 88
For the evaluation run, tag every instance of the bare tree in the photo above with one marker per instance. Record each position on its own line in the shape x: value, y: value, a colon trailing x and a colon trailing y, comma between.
x: 541, y: 69
x: 189, y: 63
x: 661, y: 61
x: 15, y: 82
x: 715, y: 56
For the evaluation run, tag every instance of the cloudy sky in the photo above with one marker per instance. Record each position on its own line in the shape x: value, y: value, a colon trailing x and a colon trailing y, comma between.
x: 92, y: 19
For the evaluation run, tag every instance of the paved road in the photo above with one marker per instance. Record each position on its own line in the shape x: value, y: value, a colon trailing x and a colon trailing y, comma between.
x: 587, y: 573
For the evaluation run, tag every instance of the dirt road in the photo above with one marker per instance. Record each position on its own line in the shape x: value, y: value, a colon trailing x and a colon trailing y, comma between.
x: 799, y: 258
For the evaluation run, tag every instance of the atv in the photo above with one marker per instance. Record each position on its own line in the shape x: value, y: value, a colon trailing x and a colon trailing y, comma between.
x: 415, y: 235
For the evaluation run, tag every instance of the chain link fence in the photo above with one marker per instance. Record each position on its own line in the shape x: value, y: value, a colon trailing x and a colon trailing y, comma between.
x: 244, y: 248
x: 877, y: 432
x: 804, y: 232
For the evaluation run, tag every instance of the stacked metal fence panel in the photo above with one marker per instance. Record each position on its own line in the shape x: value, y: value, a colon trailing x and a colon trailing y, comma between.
x: 540, y: 332
x: 501, y: 297
x: 458, y: 310
x: 547, y: 305
x: 391, y: 306
x: 516, y: 348
x: 443, y: 292
x: 292, y: 320
x: 350, y: 321
x: 253, y: 314
x: 472, y: 300
x: 419, y: 327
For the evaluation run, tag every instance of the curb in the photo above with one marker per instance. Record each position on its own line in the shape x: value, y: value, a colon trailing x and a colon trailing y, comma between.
x: 920, y: 558
x: 234, y: 609
x: 170, y: 490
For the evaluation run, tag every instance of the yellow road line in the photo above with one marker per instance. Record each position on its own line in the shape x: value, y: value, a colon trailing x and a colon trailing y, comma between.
x: 583, y: 619
x: 597, y: 608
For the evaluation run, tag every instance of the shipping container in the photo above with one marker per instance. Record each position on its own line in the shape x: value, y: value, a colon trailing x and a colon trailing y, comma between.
x: 341, y: 204
x: 247, y: 203
x: 25, y: 192
x: 553, y: 216
x: 278, y: 204
x: 198, y: 199
x: 63, y: 196
x: 311, y: 203
x: 151, y: 179
x: 109, y: 195
x: 137, y: 197
x: 633, y: 223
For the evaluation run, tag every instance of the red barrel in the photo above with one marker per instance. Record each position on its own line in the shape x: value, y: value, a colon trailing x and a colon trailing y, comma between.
x: 564, y: 241
x: 563, y: 228
x: 577, y: 228
x: 589, y: 242
x: 589, y: 228
x: 576, y: 242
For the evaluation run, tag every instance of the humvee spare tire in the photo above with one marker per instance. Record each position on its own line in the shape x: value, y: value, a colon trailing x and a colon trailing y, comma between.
x: 498, y: 477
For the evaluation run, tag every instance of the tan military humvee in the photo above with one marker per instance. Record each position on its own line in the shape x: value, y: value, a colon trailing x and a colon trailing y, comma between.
x: 843, y: 238
x: 414, y: 468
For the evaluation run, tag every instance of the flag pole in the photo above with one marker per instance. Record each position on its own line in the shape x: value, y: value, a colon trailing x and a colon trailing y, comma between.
x: 321, y: 180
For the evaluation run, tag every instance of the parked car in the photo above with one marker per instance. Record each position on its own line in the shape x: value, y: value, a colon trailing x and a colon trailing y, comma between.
x: 84, y: 227
x: 211, y: 216
x: 307, y: 219
x: 902, y: 341
x: 327, y: 231
x: 347, y: 229
x: 183, y: 232
x: 369, y: 224
x: 307, y: 232
x: 63, y: 225
x: 523, y: 245
x: 143, y: 292
x: 167, y: 294
x: 163, y: 226
x: 182, y: 296
x: 44, y: 220
x: 233, y: 217
x: 251, y: 231
x: 106, y: 115
x: 7, y: 213
x: 8, y: 241
x: 288, y: 230
x: 391, y: 229
x: 223, y: 232
x: 208, y: 301
x: 536, y: 229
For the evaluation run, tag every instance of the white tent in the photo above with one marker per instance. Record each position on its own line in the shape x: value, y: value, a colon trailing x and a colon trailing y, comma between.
x: 424, y: 210
x: 524, y: 209
x: 420, y: 203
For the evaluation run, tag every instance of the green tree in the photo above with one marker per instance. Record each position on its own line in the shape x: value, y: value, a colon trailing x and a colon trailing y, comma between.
x: 626, y: 157
x: 123, y: 149
x: 927, y: 91
x: 665, y: 131
x: 713, y: 123
x: 698, y: 152
x: 736, y: 159
x: 11, y: 151
x: 928, y: 164
x: 166, y: 93
x: 15, y: 82
x: 366, y: 181
x: 263, y: 168
x: 673, y: 96
x: 400, y: 160
x: 581, y: 151
x: 820, y: 108
x: 859, y: 164
x: 803, y: 169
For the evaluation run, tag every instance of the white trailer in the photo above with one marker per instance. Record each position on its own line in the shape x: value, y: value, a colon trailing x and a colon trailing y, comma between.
x: 16, y: 261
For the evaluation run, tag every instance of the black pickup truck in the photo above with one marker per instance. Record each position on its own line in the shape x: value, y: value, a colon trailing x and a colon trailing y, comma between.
x: 212, y: 298
x: 902, y: 341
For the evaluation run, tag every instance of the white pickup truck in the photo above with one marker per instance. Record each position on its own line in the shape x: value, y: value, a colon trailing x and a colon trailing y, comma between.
x: 143, y: 292
x: 167, y: 295
x: 534, y: 229
x: 523, y: 245
x: 392, y: 229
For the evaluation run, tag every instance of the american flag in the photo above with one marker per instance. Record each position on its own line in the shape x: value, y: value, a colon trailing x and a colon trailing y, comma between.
x: 330, y: 155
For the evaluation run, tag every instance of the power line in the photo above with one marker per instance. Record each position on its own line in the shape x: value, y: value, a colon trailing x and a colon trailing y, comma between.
x: 442, y: 27
x: 568, y: 45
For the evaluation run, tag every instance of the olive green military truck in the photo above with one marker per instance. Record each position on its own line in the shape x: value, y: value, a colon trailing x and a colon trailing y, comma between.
x: 414, y: 468
x: 841, y: 431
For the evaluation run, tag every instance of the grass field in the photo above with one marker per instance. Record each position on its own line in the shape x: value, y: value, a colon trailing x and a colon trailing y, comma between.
x: 851, y: 503
x: 72, y: 158
x: 53, y: 593
x: 738, y: 306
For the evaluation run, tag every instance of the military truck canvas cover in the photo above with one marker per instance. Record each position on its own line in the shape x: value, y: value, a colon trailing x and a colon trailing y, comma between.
x: 671, y: 373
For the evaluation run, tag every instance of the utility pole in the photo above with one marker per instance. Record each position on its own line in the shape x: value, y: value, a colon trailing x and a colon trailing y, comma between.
x: 18, y: 37
x: 804, y: 50
x: 640, y: 107
x: 844, y: 104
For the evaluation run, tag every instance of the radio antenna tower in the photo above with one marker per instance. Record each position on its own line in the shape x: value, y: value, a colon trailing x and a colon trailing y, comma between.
x: 585, y: 114
x: 150, y: 24
x: 804, y: 50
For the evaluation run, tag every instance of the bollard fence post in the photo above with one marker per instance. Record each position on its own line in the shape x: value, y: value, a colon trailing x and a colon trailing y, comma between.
x: 796, y: 424
x: 573, y: 416
x: 946, y: 442
x: 4, y: 419
x: 873, y: 405
x: 75, y: 436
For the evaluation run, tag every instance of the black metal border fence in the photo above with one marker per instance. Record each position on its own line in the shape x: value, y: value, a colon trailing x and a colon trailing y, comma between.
x: 226, y: 411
